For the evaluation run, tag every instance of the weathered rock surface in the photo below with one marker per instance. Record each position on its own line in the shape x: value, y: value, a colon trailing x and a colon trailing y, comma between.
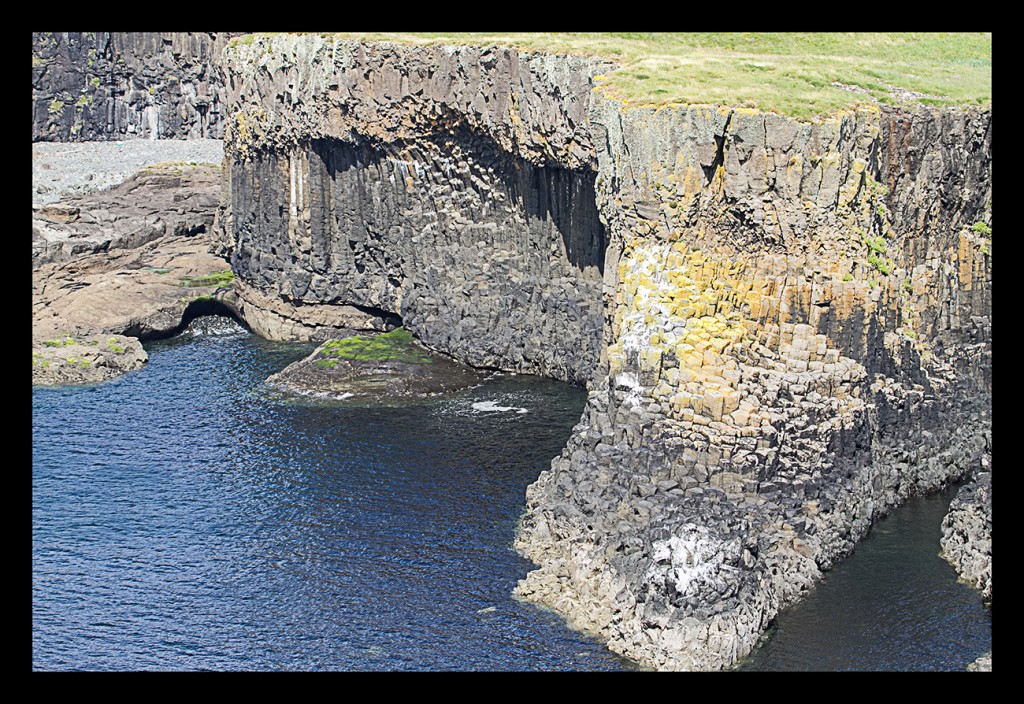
x: 170, y: 199
x: 134, y: 261
x: 64, y: 170
x: 785, y: 327
x: 967, y: 533
x: 788, y: 342
x: 121, y: 85
x: 391, y: 366
x: 85, y: 359
x: 982, y: 664
x: 441, y: 186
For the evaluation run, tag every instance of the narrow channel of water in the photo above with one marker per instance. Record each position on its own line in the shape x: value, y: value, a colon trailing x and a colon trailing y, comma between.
x: 893, y: 605
x: 184, y: 519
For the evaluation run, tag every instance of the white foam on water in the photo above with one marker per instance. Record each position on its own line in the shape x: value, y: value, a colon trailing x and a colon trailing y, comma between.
x: 493, y: 406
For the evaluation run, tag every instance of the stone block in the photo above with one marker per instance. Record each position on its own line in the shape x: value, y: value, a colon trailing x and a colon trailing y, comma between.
x: 713, y: 404
x: 796, y: 365
x: 730, y: 400
x: 740, y: 416
x: 662, y: 391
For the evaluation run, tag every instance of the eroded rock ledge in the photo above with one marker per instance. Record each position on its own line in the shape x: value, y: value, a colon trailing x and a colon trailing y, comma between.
x: 111, y: 267
x: 785, y: 327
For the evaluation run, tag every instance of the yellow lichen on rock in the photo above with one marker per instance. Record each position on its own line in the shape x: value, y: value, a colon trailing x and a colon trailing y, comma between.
x: 679, y: 315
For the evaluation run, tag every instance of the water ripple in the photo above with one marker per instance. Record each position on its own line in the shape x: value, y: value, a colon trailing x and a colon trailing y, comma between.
x: 185, y: 519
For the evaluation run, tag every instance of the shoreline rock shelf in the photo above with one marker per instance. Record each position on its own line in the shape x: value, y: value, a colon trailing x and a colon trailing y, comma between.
x: 114, y: 267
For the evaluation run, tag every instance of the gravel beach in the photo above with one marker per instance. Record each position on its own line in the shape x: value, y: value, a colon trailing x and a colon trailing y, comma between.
x: 65, y: 169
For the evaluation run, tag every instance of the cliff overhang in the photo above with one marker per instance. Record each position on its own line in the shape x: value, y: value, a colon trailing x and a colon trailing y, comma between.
x: 784, y: 327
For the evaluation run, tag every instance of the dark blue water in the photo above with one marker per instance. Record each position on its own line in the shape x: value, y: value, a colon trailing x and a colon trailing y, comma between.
x: 184, y: 519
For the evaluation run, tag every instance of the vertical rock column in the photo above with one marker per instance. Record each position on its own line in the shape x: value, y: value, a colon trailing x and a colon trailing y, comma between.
x: 445, y: 187
x: 89, y: 86
x: 774, y: 377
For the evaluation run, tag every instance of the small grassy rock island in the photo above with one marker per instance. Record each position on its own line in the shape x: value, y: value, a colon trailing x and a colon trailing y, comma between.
x: 390, y: 365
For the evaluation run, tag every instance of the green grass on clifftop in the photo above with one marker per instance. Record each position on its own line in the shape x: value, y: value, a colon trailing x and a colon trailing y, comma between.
x: 798, y: 74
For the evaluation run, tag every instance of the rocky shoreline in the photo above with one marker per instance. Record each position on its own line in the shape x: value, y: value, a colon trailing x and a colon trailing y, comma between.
x: 111, y: 267
x: 967, y: 533
x: 795, y: 318
x: 784, y: 328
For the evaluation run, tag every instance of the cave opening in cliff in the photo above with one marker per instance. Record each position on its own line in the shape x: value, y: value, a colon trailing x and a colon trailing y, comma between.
x: 199, y: 308
x: 482, y: 255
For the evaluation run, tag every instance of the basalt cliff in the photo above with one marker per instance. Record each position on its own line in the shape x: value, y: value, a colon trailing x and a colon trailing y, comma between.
x: 784, y: 327
x: 96, y: 86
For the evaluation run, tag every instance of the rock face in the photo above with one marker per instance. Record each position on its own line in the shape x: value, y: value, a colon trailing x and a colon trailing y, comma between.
x: 785, y: 327
x: 799, y: 340
x: 967, y: 533
x: 115, y: 266
x: 89, y: 86
x: 442, y: 186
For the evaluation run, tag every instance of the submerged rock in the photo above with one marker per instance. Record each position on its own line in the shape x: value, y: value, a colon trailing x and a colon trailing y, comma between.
x: 378, y: 367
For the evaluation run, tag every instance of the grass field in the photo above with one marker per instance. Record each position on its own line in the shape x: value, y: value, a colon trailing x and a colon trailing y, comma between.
x: 802, y: 75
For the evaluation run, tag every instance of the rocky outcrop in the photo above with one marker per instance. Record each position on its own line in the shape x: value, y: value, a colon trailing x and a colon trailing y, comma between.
x: 382, y: 368
x: 89, y: 86
x: 967, y: 533
x: 785, y: 327
x: 982, y: 664
x: 85, y: 359
x: 789, y: 344
x: 167, y: 199
x: 113, y: 267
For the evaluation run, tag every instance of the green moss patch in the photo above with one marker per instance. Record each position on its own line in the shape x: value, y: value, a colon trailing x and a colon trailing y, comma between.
x: 395, y: 346
x: 221, y: 278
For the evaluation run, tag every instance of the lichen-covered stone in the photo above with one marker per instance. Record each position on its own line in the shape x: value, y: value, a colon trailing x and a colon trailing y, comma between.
x: 87, y: 359
x: 785, y: 327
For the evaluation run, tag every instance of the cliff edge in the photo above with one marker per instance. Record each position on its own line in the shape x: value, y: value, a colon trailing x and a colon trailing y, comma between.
x: 784, y: 327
